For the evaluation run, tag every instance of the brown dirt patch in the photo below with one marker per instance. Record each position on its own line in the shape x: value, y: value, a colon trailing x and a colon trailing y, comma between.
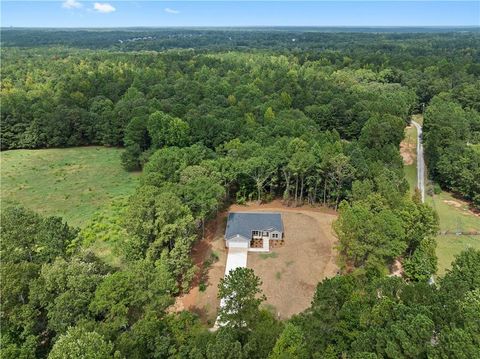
x: 205, y: 303
x: 453, y: 203
x: 396, y: 269
x: 468, y: 210
x: 289, y: 277
x: 307, y: 257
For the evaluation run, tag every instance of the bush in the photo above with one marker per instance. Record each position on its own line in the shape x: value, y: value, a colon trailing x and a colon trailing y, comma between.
x: 240, y: 197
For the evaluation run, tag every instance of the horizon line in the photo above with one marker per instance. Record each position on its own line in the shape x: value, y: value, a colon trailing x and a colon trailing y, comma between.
x: 247, y: 26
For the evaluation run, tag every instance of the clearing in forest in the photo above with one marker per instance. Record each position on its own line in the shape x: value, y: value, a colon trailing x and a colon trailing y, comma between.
x: 290, y: 273
x: 72, y: 183
x: 459, y: 228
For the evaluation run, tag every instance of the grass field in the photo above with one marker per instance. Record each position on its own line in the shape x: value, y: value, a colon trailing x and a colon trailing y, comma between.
x: 449, y: 246
x: 454, y: 217
x: 73, y: 183
x: 454, y: 214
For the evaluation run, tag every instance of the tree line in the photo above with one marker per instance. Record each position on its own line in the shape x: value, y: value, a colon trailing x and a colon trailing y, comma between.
x: 452, y: 143
x: 57, y: 97
x: 211, y: 127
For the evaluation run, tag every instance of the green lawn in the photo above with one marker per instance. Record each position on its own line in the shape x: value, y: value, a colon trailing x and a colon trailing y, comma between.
x: 449, y: 246
x: 453, y: 218
x: 453, y: 214
x: 73, y: 183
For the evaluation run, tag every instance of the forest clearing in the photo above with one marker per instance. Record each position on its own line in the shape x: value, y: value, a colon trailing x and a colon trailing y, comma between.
x: 455, y: 216
x: 288, y: 271
x: 72, y: 183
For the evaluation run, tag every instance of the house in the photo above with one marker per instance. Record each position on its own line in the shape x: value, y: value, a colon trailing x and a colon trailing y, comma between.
x: 256, y: 231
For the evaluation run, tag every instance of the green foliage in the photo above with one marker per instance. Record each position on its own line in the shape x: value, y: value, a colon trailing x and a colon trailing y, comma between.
x: 167, y: 131
x: 155, y: 220
x: 105, y: 234
x: 452, y: 163
x: 79, y: 343
x: 28, y: 237
x: 357, y: 317
x: 123, y: 297
x: 225, y: 346
x: 290, y: 344
x: 312, y: 124
x: 369, y: 235
x: 65, y: 290
x: 422, y: 264
x: 263, y: 336
x: 201, y: 191
x: 241, y: 295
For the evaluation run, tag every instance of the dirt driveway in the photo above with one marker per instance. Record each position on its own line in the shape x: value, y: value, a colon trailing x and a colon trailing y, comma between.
x: 289, y: 273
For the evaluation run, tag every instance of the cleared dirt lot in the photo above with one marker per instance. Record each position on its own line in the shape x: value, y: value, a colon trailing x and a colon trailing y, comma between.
x: 289, y: 273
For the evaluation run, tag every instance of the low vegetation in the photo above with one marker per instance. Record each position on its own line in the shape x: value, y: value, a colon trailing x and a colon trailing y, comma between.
x: 73, y: 183
x: 459, y: 228
x: 450, y: 246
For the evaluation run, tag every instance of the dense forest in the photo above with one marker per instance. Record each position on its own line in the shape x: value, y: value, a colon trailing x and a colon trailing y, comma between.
x: 213, y: 117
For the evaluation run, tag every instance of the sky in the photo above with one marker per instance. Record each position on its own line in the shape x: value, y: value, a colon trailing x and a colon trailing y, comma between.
x: 104, y: 13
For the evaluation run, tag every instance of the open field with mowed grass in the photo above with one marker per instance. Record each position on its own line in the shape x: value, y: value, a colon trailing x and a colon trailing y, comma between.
x: 455, y: 216
x: 72, y: 183
x: 451, y: 245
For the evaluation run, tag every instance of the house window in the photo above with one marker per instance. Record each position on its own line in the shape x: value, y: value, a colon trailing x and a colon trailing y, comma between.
x: 265, y: 234
x: 275, y: 235
x: 256, y: 233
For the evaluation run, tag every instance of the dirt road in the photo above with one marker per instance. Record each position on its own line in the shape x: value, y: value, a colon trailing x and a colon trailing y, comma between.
x: 420, y: 161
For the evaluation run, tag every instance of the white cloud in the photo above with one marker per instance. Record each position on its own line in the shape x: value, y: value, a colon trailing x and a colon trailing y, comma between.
x: 71, y: 4
x: 171, y: 11
x: 103, y: 7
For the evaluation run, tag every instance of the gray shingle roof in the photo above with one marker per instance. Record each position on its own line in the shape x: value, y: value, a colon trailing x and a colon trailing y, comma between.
x: 244, y: 223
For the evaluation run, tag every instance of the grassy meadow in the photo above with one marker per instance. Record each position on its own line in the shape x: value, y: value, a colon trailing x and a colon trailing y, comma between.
x: 454, y: 216
x: 73, y: 183
x: 449, y: 246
